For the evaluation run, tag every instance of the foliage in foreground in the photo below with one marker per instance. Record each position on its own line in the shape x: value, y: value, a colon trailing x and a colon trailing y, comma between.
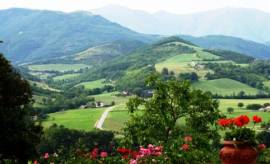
x: 19, y: 134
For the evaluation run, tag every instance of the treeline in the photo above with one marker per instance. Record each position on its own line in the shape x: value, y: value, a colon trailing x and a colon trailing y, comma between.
x: 230, y: 55
x: 253, y: 75
x: 72, y: 98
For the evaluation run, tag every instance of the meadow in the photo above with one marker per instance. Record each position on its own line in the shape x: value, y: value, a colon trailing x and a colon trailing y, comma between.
x: 57, y: 67
x: 224, y: 87
x: 93, y: 84
x: 66, y: 76
x: 80, y: 119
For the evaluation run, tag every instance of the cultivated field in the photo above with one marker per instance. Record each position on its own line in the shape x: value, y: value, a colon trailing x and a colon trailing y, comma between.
x: 66, y: 77
x: 93, y: 84
x: 224, y: 87
x: 57, y: 67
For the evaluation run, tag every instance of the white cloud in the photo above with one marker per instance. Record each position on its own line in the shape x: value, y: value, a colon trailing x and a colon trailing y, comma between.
x: 175, y: 6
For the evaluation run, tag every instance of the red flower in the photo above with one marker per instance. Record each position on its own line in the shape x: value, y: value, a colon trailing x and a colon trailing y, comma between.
x: 35, y: 162
x: 123, y: 151
x: 185, y: 147
x: 103, y: 154
x: 261, y: 147
x: 46, y: 156
x: 256, y: 119
x: 187, y: 138
x: 241, y: 120
x: 225, y: 122
x: 94, y: 153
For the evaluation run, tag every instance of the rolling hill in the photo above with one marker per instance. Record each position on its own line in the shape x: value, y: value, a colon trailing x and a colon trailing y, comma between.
x: 31, y: 35
x: 253, y: 49
x: 107, y: 51
x: 239, y: 22
x: 176, y: 55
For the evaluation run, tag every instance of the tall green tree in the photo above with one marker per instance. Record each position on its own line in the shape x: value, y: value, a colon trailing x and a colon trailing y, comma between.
x: 172, y: 101
x: 19, y: 135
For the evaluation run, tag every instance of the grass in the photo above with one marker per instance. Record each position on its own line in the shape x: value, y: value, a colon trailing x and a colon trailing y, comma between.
x: 224, y: 87
x: 80, y: 119
x: 109, y: 97
x: 93, y: 84
x: 116, y: 120
x: 187, y: 63
x: 57, y: 67
x: 66, y: 76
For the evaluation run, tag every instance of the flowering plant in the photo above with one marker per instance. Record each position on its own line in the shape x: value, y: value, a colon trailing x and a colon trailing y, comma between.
x: 237, y: 129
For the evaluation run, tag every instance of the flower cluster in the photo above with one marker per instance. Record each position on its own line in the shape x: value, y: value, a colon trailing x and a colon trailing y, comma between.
x: 185, y: 146
x: 150, y: 150
x: 256, y: 119
x: 238, y: 121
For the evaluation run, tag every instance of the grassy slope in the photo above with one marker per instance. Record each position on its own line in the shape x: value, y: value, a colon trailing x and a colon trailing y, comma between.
x: 182, y: 63
x: 81, y: 119
x: 57, y: 67
x: 224, y: 86
x: 93, y: 84
x: 66, y: 76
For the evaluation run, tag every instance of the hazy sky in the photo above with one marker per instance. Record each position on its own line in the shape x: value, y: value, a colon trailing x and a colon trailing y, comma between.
x: 175, y: 6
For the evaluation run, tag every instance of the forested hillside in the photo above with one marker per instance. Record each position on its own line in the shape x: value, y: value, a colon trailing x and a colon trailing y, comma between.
x: 32, y: 35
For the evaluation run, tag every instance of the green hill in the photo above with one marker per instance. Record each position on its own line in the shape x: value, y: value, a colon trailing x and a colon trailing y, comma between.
x: 107, y: 51
x: 224, y: 87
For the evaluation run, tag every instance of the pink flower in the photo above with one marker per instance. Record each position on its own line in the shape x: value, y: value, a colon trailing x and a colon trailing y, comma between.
x: 261, y: 147
x: 187, y: 138
x: 103, y: 154
x: 185, y: 147
x: 144, y: 151
x: 35, y: 162
x: 46, y: 156
x: 133, y: 161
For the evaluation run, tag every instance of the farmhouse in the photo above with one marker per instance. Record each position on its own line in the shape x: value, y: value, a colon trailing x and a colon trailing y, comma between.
x: 265, y: 109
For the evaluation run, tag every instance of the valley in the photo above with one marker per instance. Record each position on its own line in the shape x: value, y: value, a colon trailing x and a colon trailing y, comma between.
x: 94, y: 87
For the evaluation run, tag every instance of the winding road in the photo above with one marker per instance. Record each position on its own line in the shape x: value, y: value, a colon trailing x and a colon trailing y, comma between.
x: 101, y: 120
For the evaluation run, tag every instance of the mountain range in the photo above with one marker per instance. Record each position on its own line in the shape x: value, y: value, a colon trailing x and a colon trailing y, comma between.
x: 245, y: 23
x: 40, y: 35
x: 250, y: 48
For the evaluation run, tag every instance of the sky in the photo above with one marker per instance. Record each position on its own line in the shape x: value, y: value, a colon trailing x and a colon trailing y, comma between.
x: 173, y: 6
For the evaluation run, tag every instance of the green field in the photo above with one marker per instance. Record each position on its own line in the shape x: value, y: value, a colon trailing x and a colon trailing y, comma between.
x: 109, y: 97
x: 57, y: 67
x: 188, y: 63
x: 224, y: 87
x: 93, y: 84
x: 66, y: 76
x: 81, y: 119
x: 116, y: 120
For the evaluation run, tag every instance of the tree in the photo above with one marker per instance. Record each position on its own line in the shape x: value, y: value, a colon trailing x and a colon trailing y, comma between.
x: 241, y: 94
x: 18, y: 133
x: 189, y: 76
x: 254, y: 106
x: 165, y: 71
x: 230, y: 110
x: 172, y: 100
x: 240, y: 105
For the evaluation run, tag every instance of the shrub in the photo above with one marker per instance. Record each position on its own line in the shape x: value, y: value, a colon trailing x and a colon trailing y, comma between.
x: 253, y: 106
